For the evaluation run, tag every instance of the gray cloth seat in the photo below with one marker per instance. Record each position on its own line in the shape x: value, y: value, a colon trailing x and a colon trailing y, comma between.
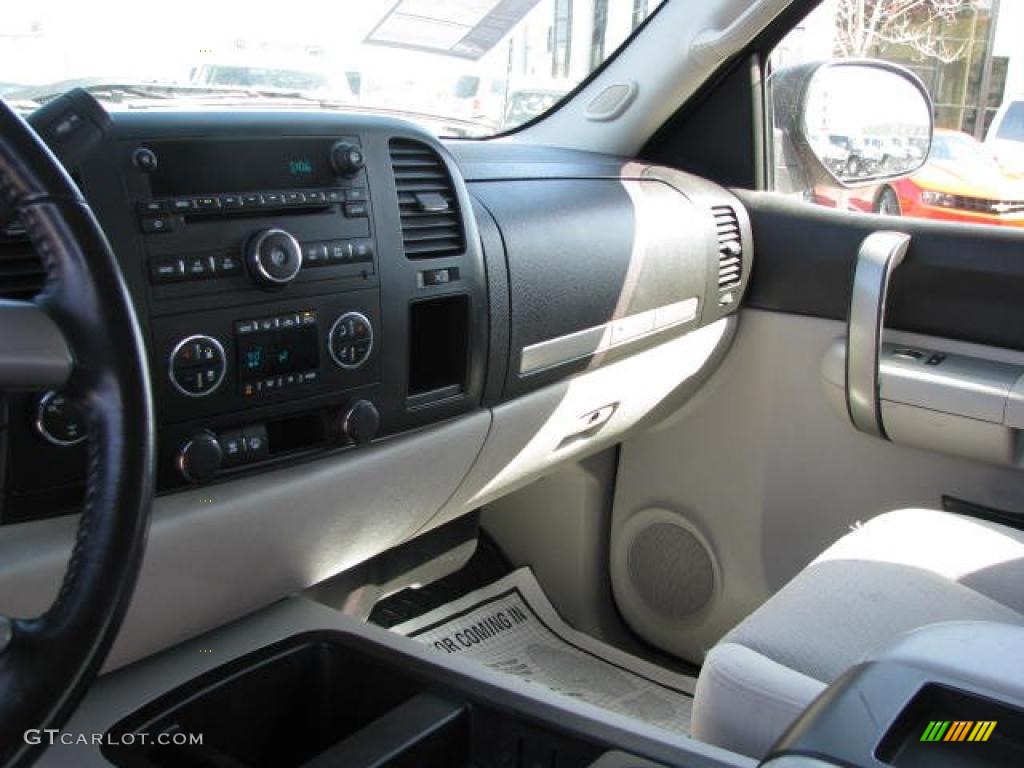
x: 901, y: 571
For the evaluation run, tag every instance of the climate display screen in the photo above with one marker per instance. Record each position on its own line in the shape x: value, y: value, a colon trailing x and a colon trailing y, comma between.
x: 272, y: 353
x: 246, y: 165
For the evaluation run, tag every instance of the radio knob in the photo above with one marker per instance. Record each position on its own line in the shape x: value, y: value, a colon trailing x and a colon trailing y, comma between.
x: 200, y: 457
x: 274, y: 257
x: 360, y: 422
x: 347, y: 158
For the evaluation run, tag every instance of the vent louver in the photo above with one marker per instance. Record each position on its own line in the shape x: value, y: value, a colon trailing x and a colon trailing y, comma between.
x: 21, y: 272
x: 730, y: 247
x: 427, y: 204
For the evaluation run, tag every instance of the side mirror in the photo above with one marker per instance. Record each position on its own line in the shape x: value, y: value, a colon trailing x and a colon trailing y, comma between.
x: 852, y: 123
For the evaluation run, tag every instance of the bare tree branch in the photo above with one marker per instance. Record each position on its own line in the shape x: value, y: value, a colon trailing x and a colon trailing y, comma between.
x: 863, y: 25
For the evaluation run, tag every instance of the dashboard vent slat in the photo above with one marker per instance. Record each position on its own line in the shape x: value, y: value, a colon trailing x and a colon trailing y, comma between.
x: 21, y: 271
x: 730, y: 247
x: 428, y: 230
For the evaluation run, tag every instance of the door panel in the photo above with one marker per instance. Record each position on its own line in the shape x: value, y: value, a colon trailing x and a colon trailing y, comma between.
x: 761, y: 467
x: 958, y: 281
x: 767, y: 471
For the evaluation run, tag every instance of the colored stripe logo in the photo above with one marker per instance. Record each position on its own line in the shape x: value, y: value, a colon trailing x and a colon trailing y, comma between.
x: 958, y: 730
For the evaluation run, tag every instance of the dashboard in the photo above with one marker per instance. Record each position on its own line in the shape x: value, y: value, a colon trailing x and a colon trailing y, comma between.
x: 311, y: 283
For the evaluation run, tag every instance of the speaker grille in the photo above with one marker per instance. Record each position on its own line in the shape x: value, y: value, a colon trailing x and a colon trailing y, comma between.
x: 670, y: 570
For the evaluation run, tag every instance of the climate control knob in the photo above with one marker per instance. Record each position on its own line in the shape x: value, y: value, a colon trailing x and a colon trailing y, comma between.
x: 360, y: 422
x: 347, y: 158
x: 197, y: 366
x: 200, y: 457
x: 274, y: 257
x: 60, y: 420
x: 350, y: 340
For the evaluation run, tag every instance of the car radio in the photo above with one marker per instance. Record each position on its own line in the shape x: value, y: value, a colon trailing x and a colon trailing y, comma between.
x: 261, y: 262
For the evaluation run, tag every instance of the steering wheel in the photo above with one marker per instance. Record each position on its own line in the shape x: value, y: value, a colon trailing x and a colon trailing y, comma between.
x: 80, y: 334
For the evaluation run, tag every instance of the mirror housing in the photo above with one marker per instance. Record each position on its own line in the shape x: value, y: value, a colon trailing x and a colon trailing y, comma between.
x: 852, y: 122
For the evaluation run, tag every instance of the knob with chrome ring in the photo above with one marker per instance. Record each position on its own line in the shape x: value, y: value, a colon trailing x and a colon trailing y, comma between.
x: 274, y: 257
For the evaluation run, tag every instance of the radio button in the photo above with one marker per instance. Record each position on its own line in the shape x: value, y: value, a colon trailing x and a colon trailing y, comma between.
x: 253, y: 200
x: 362, y: 250
x: 287, y: 322
x: 335, y: 195
x: 356, y: 210
x: 230, y: 201
x: 339, y: 251
x: 272, y: 198
x: 155, y: 225
x: 314, y: 254
x: 182, y: 205
x: 267, y: 323
x: 228, y: 265
x: 310, y: 377
x: 197, y: 267
x: 256, y: 445
x: 233, y: 446
x: 355, y: 195
x: 315, y: 197
x: 166, y: 270
x: 152, y: 206
x: 294, y: 198
x: 245, y: 327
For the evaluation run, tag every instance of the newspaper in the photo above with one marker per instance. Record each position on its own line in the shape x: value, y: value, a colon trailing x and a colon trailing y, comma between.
x: 510, y: 626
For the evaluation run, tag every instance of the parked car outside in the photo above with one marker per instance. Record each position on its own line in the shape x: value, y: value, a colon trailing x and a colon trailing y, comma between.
x: 1005, y: 136
x: 960, y: 182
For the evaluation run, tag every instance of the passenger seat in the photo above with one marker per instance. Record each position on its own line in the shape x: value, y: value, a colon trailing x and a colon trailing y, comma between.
x: 901, y: 571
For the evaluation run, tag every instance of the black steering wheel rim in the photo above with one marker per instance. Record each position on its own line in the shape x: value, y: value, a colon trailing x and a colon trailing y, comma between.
x: 47, y: 662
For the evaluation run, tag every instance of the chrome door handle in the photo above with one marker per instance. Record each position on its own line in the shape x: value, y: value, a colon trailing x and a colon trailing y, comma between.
x: 879, y: 255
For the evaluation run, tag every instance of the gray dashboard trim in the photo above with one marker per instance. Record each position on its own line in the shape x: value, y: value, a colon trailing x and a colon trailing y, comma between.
x: 37, y: 356
x: 220, y: 552
x: 615, y: 333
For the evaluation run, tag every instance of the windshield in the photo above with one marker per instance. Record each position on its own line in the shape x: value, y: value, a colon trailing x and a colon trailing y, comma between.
x: 959, y: 148
x: 459, y: 67
x: 1012, y: 127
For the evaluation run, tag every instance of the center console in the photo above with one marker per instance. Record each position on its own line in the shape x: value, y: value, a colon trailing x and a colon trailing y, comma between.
x: 299, y: 684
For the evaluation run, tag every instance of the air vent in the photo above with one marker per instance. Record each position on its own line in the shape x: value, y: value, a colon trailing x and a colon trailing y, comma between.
x: 21, y: 272
x: 431, y: 224
x: 730, y: 247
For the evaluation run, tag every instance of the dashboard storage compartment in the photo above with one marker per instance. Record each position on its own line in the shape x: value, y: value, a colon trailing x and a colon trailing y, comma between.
x: 438, y: 348
x: 327, y: 699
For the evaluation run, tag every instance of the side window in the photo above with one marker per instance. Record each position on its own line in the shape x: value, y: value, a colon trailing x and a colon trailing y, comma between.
x: 968, y: 56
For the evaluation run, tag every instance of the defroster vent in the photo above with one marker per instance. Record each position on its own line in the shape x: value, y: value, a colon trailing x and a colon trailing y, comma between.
x: 730, y: 247
x: 429, y: 208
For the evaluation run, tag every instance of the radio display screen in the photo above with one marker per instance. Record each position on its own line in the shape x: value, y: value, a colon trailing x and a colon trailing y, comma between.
x: 244, y: 165
x: 272, y: 353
